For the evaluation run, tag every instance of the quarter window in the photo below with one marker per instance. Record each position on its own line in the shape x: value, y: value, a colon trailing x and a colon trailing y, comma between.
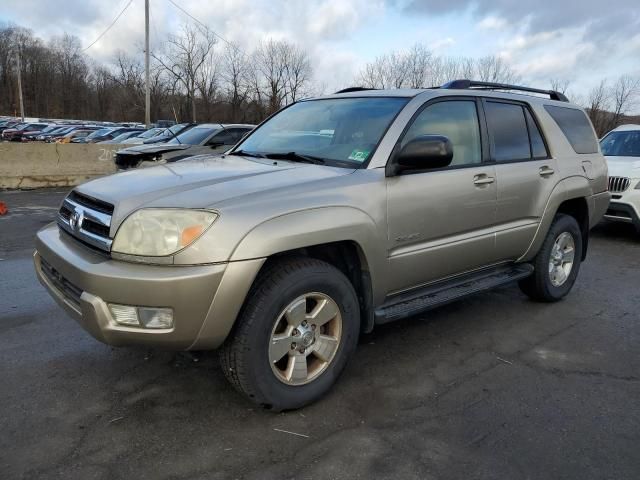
x: 458, y: 121
x: 508, y: 131
x: 576, y: 127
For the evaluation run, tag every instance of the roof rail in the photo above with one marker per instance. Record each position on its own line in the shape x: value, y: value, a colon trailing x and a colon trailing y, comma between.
x: 354, y: 89
x: 473, y: 84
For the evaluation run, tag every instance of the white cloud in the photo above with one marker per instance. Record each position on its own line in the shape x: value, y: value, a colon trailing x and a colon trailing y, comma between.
x: 492, y: 23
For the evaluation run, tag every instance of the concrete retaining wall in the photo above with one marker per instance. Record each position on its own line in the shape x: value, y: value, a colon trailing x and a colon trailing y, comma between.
x: 36, y: 165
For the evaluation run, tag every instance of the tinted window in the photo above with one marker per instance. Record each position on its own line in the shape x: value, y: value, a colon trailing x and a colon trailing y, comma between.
x: 508, y: 131
x: 456, y: 120
x: 576, y: 127
x: 621, y: 144
x: 538, y: 149
x: 193, y: 136
x: 225, y: 137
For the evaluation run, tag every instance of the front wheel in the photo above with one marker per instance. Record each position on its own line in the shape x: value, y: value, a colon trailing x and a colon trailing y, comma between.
x: 294, y: 335
x: 557, y: 263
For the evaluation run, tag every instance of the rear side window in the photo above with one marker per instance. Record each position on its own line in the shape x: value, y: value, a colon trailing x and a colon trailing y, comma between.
x: 576, y: 127
x: 508, y: 131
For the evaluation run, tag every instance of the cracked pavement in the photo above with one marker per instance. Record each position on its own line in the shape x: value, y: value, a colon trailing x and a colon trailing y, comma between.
x: 492, y: 387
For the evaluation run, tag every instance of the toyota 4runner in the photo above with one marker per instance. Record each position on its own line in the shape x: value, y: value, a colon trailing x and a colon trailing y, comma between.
x: 334, y: 215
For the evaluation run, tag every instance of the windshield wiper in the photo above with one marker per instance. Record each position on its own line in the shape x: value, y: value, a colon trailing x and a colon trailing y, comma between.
x: 244, y: 153
x: 295, y: 157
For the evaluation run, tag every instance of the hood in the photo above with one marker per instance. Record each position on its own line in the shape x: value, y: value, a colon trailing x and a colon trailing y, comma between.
x: 150, y: 149
x: 624, y: 166
x: 201, y: 182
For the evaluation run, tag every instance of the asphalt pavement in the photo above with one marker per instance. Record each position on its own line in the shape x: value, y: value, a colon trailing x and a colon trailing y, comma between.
x: 492, y: 387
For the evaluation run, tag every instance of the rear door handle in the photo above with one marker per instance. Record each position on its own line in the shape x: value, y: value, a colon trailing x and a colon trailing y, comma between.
x: 483, y: 180
x: 546, y: 171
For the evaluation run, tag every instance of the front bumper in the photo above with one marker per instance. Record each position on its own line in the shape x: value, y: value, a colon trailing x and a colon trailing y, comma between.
x: 205, y: 298
x: 625, y: 207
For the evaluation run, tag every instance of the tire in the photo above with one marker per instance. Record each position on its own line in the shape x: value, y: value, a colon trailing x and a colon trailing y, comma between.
x: 286, y: 290
x: 547, y: 284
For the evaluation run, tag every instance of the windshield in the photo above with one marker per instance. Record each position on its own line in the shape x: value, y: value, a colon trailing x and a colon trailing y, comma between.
x: 149, y: 133
x: 621, y: 144
x: 193, y: 136
x: 100, y: 133
x: 335, y: 130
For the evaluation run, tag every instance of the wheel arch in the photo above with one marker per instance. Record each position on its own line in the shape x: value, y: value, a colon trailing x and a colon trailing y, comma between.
x: 344, y: 237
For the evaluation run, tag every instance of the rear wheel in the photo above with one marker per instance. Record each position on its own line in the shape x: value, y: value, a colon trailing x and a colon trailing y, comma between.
x: 294, y: 335
x: 557, y: 263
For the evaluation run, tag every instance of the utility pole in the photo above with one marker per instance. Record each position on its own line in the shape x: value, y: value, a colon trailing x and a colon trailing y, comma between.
x: 147, y: 93
x: 20, y: 83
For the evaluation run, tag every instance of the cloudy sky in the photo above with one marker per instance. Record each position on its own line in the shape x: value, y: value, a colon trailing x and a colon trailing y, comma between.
x: 579, y: 40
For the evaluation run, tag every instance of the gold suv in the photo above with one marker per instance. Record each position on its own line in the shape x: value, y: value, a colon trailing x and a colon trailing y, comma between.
x: 334, y: 215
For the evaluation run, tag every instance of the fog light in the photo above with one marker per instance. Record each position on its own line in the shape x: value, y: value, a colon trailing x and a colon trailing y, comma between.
x: 156, y: 317
x: 146, y: 317
x: 124, y: 315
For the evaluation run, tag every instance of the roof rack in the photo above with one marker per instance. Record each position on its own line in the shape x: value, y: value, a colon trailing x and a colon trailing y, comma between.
x: 472, y: 84
x: 354, y: 89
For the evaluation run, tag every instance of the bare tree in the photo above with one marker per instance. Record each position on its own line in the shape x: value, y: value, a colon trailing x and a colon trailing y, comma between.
x: 597, y: 102
x: 624, y: 95
x: 560, y: 84
x: 185, y: 56
x: 298, y: 71
x: 235, y: 73
x: 494, y: 69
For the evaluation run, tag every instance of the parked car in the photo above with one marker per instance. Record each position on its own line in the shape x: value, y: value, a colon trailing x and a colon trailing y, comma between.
x: 55, y: 136
x: 31, y: 136
x: 123, y: 137
x: 334, y: 215
x: 204, y: 138
x: 74, y: 134
x: 621, y: 148
x: 5, y: 124
x: 170, y: 133
x: 110, y: 134
x: 141, y: 137
x: 15, y: 134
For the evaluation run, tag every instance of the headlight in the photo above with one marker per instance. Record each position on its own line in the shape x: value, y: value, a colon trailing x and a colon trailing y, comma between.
x: 157, y: 232
x: 638, y: 186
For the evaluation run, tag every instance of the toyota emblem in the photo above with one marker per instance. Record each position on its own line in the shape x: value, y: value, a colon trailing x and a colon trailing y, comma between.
x: 75, y: 220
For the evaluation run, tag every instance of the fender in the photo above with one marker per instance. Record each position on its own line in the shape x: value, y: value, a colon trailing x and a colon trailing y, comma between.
x: 567, y: 189
x: 317, y: 226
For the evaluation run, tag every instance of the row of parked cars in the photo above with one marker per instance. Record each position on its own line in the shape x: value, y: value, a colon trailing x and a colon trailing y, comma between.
x: 84, y: 132
x: 160, y: 143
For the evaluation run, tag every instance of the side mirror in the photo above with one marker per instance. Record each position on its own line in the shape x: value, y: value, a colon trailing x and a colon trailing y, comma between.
x: 425, y: 152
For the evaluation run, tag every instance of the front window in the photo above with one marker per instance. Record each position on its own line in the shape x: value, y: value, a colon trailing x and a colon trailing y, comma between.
x: 338, y: 131
x: 193, y: 136
x: 621, y: 144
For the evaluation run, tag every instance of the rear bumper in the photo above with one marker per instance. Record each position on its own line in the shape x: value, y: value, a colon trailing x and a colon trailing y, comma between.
x: 205, y: 298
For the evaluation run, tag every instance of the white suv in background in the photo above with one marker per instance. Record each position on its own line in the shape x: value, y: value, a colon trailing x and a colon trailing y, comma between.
x: 621, y: 147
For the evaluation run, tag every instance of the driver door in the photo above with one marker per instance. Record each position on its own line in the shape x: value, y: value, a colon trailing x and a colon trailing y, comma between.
x: 441, y: 222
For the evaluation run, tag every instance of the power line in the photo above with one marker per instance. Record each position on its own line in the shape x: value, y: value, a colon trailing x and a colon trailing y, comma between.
x: 109, y: 27
x: 232, y: 45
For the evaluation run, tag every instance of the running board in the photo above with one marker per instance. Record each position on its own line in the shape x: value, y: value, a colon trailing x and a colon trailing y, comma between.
x: 417, y: 301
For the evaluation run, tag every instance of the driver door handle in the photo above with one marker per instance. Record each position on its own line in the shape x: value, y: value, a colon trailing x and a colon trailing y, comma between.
x: 483, y: 179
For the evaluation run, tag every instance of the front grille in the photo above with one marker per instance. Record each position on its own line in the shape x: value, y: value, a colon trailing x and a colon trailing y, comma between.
x: 618, y: 184
x: 87, y: 219
x: 68, y: 290
x: 92, y: 203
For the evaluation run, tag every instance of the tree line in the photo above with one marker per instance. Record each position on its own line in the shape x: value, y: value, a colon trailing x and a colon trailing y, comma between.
x: 193, y: 77
x: 196, y: 76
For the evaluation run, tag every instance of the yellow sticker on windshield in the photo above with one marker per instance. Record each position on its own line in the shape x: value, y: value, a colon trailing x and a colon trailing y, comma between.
x: 359, y: 155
